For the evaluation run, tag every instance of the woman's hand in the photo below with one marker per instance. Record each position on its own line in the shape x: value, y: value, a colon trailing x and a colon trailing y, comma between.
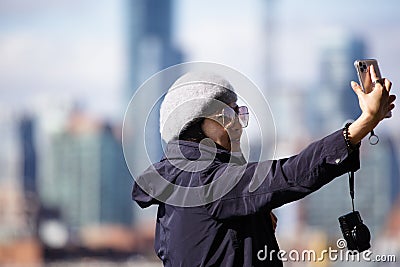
x: 375, y: 105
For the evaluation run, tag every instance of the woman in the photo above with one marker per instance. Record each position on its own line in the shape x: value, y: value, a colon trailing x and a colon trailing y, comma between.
x: 201, y: 122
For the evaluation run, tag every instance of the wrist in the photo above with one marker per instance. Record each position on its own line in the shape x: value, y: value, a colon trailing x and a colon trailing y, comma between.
x: 352, y: 142
x: 368, y: 121
x: 361, y: 127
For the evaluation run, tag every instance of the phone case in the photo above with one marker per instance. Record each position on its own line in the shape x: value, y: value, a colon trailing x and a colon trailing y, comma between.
x: 362, y: 67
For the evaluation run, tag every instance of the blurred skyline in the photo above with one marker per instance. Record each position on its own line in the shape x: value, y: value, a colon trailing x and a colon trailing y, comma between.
x: 77, y: 51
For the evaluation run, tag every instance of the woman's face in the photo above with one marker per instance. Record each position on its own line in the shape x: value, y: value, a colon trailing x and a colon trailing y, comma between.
x: 229, y: 138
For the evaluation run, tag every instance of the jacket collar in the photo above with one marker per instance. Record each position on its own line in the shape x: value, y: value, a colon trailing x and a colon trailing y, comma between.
x: 204, y: 151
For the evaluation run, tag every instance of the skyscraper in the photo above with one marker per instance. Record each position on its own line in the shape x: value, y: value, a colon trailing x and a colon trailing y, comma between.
x: 151, y: 50
x: 151, y: 44
x: 85, y: 175
x: 28, y: 155
x: 115, y: 180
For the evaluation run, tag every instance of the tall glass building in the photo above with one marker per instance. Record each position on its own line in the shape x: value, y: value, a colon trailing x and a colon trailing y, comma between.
x: 151, y: 50
x: 85, y: 176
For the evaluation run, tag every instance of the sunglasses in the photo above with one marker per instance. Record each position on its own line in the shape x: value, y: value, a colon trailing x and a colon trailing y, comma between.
x: 228, y: 116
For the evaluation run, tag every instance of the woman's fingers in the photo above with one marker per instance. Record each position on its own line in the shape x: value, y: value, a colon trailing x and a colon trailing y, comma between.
x: 373, y: 73
x: 356, y: 88
x: 384, y: 82
x: 378, y: 101
x: 388, y: 84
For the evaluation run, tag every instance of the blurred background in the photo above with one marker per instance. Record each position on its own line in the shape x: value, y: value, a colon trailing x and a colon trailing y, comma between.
x: 69, y: 68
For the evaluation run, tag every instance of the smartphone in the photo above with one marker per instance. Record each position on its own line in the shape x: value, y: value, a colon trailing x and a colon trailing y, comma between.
x: 362, y: 66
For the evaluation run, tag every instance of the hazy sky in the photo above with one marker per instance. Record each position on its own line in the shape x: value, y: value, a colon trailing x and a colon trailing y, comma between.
x: 77, y: 49
x: 232, y: 32
x: 62, y: 52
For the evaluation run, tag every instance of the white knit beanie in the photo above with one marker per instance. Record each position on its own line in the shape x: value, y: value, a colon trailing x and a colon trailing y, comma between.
x: 191, y: 97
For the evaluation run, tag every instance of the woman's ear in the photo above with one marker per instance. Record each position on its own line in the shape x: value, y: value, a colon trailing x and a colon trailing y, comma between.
x: 212, y: 129
x: 216, y: 132
x: 205, y: 127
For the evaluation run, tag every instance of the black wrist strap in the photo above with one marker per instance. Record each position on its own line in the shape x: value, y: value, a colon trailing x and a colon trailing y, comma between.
x: 351, y: 186
x: 349, y: 145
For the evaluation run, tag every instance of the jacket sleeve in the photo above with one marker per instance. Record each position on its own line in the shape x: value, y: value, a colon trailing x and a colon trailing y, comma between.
x: 285, y: 180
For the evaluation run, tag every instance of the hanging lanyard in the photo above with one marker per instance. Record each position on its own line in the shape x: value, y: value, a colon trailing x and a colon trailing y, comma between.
x: 351, y: 186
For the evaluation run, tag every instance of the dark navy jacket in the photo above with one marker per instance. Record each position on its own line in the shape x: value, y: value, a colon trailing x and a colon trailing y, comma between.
x: 231, y: 230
